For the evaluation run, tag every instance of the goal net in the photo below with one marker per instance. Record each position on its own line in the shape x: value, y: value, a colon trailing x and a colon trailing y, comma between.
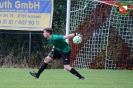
x: 107, y: 29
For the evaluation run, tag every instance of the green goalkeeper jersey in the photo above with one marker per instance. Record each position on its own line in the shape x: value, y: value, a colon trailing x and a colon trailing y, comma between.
x: 59, y: 42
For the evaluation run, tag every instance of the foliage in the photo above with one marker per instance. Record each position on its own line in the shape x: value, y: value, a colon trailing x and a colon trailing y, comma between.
x: 59, y: 17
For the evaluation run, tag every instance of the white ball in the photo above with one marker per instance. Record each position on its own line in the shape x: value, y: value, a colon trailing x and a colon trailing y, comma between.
x: 77, y: 39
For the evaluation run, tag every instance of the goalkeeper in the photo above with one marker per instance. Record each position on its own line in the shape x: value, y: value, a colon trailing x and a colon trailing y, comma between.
x: 60, y: 49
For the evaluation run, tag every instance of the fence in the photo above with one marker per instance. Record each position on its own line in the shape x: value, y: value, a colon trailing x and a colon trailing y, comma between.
x: 21, y: 48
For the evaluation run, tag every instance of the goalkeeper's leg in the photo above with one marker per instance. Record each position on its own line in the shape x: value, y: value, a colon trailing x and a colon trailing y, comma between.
x: 66, y: 60
x: 74, y: 72
x: 52, y: 55
x: 43, y: 66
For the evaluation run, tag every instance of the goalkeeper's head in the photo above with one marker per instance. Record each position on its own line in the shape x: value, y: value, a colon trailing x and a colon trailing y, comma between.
x: 47, y: 32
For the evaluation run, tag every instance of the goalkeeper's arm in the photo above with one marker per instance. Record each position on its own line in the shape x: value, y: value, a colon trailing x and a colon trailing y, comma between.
x: 69, y: 36
x: 72, y: 35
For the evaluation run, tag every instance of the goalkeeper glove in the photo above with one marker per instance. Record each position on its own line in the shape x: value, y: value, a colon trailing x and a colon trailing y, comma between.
x: 51, y: 54
x: 78, y: 34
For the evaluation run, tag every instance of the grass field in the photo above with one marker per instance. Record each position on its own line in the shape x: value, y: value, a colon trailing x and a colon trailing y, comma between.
x: 59, y: 78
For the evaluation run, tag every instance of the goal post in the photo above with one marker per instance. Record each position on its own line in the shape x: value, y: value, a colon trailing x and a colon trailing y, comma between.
x: 68, y: 18
x: 107, y: 34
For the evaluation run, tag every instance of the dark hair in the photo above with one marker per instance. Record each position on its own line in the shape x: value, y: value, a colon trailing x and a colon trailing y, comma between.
x: 49, y: 30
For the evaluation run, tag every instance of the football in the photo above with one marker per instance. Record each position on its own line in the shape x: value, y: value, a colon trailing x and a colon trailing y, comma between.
x: 77, y: 39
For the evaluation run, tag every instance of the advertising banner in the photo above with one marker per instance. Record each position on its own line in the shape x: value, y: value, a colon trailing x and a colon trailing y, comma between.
x: 30, y: 15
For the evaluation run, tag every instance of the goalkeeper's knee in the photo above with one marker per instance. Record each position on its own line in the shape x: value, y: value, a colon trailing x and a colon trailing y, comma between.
x: 67, y: 67
x: 47, y: 59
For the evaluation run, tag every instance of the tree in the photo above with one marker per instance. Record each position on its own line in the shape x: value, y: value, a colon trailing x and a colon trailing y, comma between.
x: 59, y: 16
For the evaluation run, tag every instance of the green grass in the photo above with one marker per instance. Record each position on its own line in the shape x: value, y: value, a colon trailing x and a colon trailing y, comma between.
x: 59, y: 78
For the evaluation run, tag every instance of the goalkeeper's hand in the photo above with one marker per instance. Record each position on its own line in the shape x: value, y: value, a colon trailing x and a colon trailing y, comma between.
x: 78, y: 34
x: 51, y: 54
